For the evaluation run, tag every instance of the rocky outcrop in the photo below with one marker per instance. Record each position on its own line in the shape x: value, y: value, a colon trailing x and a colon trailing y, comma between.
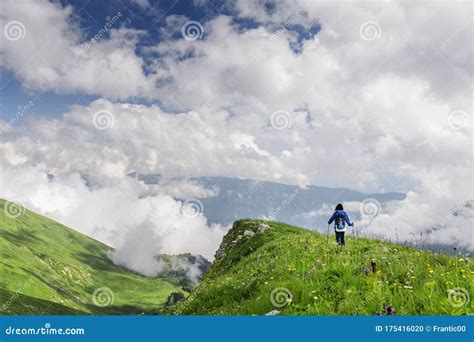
x: 273, y: 313
x: 174, y: 298
x: 239, y: 232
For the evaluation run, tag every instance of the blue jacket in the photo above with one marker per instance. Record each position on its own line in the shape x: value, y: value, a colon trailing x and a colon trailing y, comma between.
x: 340, y: 213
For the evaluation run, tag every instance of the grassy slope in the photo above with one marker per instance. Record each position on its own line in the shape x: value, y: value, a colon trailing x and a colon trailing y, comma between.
x: 325, y: 279
x: 47, y: 268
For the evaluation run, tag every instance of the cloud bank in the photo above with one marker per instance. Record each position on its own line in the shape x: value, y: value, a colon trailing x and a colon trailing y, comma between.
x: 378, y: 100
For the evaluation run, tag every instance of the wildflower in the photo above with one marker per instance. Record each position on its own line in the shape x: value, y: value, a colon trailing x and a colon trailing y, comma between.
x: 366, y: 271
x: 373, y: 264
x: 407, y: 287
x: 389, y: 310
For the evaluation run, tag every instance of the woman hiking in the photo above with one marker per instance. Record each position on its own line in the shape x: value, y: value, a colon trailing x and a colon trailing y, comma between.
x: 340, y: 219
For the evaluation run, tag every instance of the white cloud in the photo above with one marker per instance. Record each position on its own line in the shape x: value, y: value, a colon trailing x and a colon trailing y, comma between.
x: 372, y: 114
x: 139, y: 226
x: 54, y: 55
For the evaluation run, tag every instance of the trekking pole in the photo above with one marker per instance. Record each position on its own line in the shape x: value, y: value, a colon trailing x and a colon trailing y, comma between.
x: 327, y: 235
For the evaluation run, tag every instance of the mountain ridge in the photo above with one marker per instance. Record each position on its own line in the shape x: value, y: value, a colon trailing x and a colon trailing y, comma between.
x: 245, y: 198
x: 265, y: 267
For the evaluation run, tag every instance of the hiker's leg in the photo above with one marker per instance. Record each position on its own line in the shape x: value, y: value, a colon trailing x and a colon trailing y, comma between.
x: 338, y: 238
x: 343, y: 242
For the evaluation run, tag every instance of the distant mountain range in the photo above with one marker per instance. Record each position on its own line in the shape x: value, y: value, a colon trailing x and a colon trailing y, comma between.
x: 243, y: 198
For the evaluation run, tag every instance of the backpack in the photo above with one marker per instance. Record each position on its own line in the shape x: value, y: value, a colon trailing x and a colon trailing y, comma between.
x: 340, y: 222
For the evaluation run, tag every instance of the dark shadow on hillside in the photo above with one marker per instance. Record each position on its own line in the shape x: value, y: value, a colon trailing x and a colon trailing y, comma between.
x: 12, y: 303
x: 58, y: 287
x: 21, y: 237
x: 97, y: 262
x: 124, y: 310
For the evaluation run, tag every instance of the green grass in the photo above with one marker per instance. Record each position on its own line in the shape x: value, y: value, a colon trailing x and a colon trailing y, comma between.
x: 325, y: 279
x: 47, y: 268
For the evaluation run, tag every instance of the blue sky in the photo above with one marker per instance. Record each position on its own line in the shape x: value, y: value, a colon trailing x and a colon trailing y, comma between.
x: 149, y: 16
x: 373, y: 97
x: 90, y: 16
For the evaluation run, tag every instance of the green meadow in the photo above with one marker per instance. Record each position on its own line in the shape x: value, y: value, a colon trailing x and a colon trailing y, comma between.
x: 299, y: 272
x: 49, y: 269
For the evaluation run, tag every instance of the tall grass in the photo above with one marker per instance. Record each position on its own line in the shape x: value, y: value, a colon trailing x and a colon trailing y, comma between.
x: 306, y: 273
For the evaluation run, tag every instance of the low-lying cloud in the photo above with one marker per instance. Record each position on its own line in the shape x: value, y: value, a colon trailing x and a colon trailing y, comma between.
x: 139, y: 227
x: 388, y: 113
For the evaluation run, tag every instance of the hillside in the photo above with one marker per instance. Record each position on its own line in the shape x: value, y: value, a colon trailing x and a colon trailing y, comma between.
x: 47, y: 268
x: 299, y: 272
